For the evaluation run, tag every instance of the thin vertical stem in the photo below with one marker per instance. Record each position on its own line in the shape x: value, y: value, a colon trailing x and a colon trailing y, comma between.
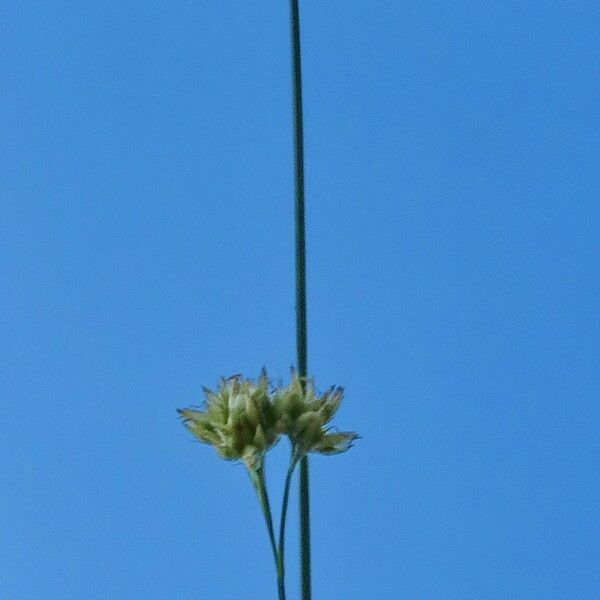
x: 305, y: 578
x: 299, y: 194
x: 300, y: 284
x: 257, y: 477
x: 284, y: 506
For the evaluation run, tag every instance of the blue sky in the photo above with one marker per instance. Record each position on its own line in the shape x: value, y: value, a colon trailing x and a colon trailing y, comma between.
x: 146, y: 249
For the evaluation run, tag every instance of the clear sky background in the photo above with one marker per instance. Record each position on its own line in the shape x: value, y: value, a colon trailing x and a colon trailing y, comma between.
x: 146, y: 249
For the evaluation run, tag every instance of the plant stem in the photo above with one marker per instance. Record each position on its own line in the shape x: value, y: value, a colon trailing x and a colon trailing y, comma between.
x: 304, y: 530
x: 284, y: 507
x: 257, y: 477
x: 300, y: 284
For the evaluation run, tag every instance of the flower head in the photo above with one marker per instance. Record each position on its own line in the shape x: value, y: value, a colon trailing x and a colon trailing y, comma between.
x: 303, y: 415
x: 238, y: 420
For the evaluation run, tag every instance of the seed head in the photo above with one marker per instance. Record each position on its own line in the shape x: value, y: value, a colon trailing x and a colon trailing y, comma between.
x: 238, y: 420
x: 303, y: 415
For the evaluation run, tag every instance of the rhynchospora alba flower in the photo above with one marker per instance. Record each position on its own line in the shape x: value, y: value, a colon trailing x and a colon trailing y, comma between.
x: 238, y: 420
x: 303, y: 415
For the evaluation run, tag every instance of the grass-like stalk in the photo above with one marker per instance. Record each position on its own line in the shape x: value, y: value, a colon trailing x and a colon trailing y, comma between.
x: 284, y: 507
x: 300, y: 284
x: 258, y: 481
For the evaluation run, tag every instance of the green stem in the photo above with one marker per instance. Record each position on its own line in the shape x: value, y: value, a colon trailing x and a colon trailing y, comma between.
x: 284, y: 507
x: 301, y: 328
x: 304, y: 530
x: 257, y: 477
